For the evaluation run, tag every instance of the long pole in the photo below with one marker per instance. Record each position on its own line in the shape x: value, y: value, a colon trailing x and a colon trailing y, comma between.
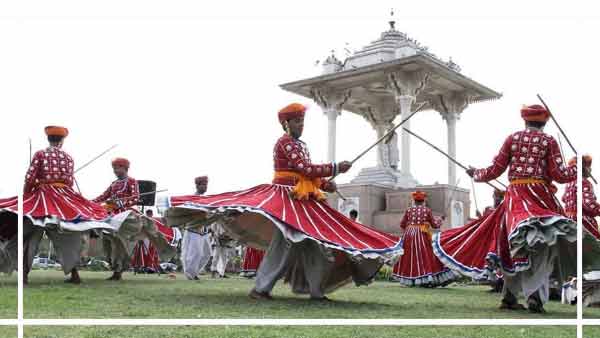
x: 449, y: 157
x: 382, y: 138
x: 474, y: 195
x: 561, y: 131
x: 30, y: 151
x: 562, y: 152
x: 95, y: 158
x: 142, y: 194
x: 557, y: 125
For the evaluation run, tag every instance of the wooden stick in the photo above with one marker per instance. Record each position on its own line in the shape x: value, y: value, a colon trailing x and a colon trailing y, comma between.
x: 382, y: 138
x: 388, y: 133
x: 449, y: 157
x: 557, y: 125
x: 95, y: 158
x: 562, y: 131
x: 474, y: 196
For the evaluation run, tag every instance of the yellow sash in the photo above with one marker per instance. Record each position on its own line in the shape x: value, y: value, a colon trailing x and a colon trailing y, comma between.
x: 54, y: 184
x: 425, y: 228
x: 527, y: 181
x: 305, y: 187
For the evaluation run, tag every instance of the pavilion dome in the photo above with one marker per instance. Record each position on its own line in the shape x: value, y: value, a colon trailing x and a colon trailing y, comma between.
x: 391, y: 45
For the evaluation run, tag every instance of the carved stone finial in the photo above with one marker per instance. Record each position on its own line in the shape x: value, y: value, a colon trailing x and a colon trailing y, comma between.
x: 392, y: 22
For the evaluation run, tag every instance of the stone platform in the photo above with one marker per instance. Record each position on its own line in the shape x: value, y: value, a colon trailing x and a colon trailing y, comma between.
x: 383, y: 207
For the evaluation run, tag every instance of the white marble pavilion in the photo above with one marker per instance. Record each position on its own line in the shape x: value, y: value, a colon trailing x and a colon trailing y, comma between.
x: 389, y: 77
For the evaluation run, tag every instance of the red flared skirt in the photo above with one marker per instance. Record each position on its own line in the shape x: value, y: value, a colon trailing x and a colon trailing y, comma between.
x: 63, y: 204
x: 252, y: 259
x: 295, y: 218
x: 529, y: 216
x: 418, y: 265
x: 145, y: 257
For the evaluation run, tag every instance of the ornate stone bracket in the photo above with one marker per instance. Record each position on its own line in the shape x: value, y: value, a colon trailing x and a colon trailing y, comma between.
x: 450, y: 106
x: 329, y: 100
x: 408, y: 83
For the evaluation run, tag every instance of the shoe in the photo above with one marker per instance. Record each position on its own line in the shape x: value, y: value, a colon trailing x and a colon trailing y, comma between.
x: 259, y: 295
x: 116, y: 276
x: 74, y: 279
x: 535, y: 306
x: 511, y: 306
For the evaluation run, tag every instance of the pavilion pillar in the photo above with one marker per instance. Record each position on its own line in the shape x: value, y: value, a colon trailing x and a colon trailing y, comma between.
x: 451, y: 134
x: 450, y: 107
x: 331, y: 104
x: 406, y: 86
x: 405, y: 102
x: 332, y: 115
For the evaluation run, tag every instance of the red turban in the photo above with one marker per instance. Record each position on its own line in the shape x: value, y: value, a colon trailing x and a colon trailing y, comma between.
x: 535, y: 113
x: 201, y: 180
x: 120, y: 162
x: 553, y: 188
x: 419, y: 196
x: 291, y: 111
x: 56, y: 131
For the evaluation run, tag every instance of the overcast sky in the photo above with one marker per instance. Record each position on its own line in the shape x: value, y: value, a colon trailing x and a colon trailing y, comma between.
x: 189, y: 90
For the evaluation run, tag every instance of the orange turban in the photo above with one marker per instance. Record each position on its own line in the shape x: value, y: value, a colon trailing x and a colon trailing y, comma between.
x: 572, y: 161
x: 120, y: 162
x: 419, y: 196
x: 291, y: 111
x: 535, y: 113
x: 56, y: 131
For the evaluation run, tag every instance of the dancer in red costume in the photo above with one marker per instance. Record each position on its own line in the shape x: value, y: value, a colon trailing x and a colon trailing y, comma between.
x: 120, y: 199
x: 252, y: 259
x: 591, y: 208
x: 312, y: 245
x: 418, y: 266
x: 145, y: 258
x: 523, y: 235
x: 51, y: 205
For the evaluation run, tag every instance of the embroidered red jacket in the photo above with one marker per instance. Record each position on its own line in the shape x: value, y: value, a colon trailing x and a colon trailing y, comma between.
x: 590, y: 205
x: 51, y: 165
x: 290, y: 154
x: 570, y: 198
x: 124, y: 193
x: 419, y: 215
x: 529, y: 154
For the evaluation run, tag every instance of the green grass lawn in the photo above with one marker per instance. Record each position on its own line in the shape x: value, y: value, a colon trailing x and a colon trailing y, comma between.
x: 303, y: 331
x: 150, y: 296
x: 591, y: 332
x: 8, y: 331
x: 8, y: 296
x: 591, y: 312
